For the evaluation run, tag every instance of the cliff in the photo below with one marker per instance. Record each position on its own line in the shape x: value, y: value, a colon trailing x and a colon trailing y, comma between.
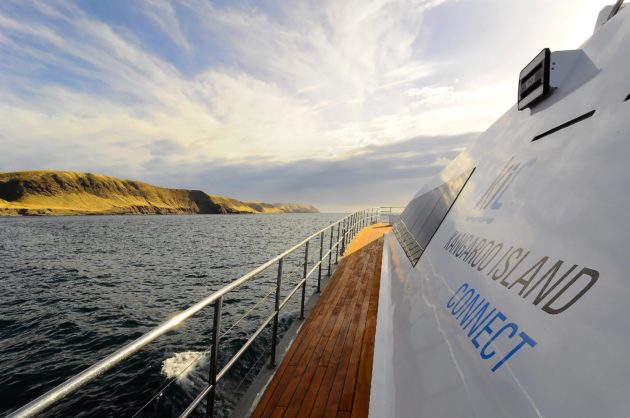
x: 70, y: 193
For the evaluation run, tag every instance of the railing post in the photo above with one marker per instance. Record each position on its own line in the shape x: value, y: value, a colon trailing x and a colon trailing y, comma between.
x: 337, y: 241
x: 352, y: 226
x: 343, y: 237
x: 321, y: 260
x: 304, y: 284
x: 332, y: 229
x: 214, y: 356
x: 274, y: 334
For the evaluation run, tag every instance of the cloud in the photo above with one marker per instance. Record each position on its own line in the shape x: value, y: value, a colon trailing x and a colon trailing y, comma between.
x: 164, y: 147
x: 372, y: 175
x: 375, y: 175
x: 250, y: 86
x: 164, y: 15
x: 297, y: 83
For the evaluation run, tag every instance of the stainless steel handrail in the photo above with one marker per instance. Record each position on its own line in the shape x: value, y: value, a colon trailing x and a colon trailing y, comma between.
x: 351, y: 225
x: 389, y: 210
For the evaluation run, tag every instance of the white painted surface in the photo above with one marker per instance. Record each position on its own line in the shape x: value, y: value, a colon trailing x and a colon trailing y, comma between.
x: 569, y: 202
x: 382, y: 372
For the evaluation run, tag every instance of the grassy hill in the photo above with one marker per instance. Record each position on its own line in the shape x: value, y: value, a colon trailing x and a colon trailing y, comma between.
x: 71, y: 193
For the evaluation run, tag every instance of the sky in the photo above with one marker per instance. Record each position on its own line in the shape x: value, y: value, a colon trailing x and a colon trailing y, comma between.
x: 341, y: 104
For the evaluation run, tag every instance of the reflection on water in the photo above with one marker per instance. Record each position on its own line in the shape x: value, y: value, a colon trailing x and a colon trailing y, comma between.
x: 73, y: 289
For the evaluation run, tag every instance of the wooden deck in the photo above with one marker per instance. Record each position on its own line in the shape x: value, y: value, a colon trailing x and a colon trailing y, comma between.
x: 328, y: 369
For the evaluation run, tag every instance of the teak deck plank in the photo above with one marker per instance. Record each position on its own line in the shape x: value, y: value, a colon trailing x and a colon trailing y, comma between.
x: 278, y: 412
x: 344, y: 379
x: 308, y: 344
x: 322, y: 394
x: 312, y: 353
x: 335, y: 321
x: 328, y: 368
x: 294, y: 357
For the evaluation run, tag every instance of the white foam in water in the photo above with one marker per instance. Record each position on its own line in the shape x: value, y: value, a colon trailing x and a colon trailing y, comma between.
x: 181, y: 364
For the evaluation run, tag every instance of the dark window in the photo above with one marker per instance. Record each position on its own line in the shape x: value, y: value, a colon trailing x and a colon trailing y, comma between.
x: 423, y: 216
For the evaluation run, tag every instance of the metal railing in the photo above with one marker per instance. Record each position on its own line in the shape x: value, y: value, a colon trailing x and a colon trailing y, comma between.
x: 346, y: 229
x: 389, y: 214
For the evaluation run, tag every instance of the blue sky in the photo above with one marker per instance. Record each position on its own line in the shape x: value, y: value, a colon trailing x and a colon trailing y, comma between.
x: 337, y: 103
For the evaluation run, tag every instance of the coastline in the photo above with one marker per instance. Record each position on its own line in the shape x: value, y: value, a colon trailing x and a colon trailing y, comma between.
x: 30, y: 214
x: 46, y: 193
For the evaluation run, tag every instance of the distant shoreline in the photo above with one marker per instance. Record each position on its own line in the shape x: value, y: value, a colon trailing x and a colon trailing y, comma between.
x: 61, y: 193
x: 54, y: 215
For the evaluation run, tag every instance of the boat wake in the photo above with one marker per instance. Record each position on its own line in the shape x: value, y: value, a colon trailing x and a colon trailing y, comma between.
x: 181, y: 365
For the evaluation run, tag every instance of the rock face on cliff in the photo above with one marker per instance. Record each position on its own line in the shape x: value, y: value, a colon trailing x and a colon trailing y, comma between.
x: 70, y: 193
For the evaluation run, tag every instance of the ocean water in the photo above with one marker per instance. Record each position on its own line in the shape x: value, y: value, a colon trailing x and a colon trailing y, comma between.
x: 74, y: 289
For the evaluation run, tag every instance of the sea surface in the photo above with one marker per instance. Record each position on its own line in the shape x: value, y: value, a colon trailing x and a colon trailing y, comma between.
x: 74, y: 289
